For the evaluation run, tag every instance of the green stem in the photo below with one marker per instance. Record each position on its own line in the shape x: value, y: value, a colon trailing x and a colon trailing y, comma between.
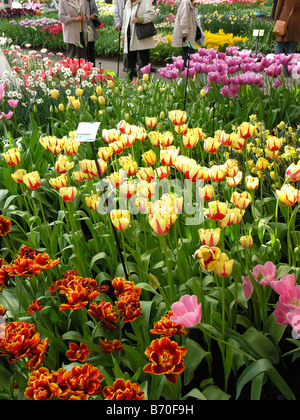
x: 170, y: 277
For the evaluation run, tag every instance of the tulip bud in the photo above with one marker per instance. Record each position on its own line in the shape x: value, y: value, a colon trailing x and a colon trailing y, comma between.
x: 246, y: 242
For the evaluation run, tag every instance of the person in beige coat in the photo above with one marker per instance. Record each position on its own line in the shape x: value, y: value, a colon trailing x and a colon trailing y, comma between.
x: 185, y: 27
x: 74, y: 15
x: 137, y: 11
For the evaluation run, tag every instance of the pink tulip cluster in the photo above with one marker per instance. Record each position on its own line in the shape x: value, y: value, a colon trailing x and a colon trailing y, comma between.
x: 232, y: 69
x: 13, y: 103
x: 287, y: 308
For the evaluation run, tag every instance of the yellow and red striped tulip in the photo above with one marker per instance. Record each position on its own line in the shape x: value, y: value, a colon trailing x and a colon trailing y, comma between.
x: 18, y: 175
x: 246, y: 241
x: 177, y: 117
x: 12, y: 157
x: 59, y: 182
x: 208, y: 257
x: 32, y: 180
x: 63, y: 165
x: 151, y: 122
x: 92, y: 201
x: 120, y: 219
x: 224, y: 266
x: 68, y: 193
x: 149, y: 157
x: 246, y: 130
x: 206, y: 193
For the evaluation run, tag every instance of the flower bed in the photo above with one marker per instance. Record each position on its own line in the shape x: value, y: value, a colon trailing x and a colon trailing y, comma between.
x: 161, y: 261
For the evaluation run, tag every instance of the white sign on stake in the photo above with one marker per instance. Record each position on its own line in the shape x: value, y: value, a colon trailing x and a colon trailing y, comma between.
x: 87, y: 131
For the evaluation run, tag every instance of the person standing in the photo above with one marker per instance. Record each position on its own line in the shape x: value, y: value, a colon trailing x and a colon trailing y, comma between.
x: 185, y: 28
x: 93, y: 12
x: 141, y: 12
x: 74, y: 16
x: 118, y: 18
x: 285, y: 9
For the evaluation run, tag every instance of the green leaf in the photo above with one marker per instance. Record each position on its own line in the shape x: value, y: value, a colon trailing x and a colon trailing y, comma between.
x: 195, y: 355
x: 258, y: 367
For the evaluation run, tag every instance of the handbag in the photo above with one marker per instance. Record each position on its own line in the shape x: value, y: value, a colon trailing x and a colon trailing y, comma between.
x: 144, y: 30
x: 96, y: 22
x: 280, y: 27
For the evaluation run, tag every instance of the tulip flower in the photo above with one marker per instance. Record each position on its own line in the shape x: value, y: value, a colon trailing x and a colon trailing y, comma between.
x: 18, y: 175
x: 246, y: 241
x: 241, y: 200
x: 167, y: 157
x: 120, y: 219
x: 206, y: 193
x: 264, y: 274
x: 252, y: 182
x: 127, y: 140
x: 59, y: 182
x: 54, y: 93
x: 216, y: 210
x: 208, y: 257
x: 217, y: 173
x: 71, y: 147
x: 12, y: 157
x: 92, y: 201
x: 63, y: 165
x: 111, y: 135
x: 105, y: 153
x: 146, y: 189
x: 210, y: 237
x: 288, y: 195
x: 211, y: 145
x: 293, y: 172
x: 68, y: 193
x: 246, y: 130
x: 117, y: 147
x: 32, y: 180
x: 274, y: 143
x: 261, y: 164
x: 177, y: 117
x: 79, y: 176
x: 146, y: 174
x: 151, y: 122
x: 149, y: 157
x: 224, y: 266
x: 127, y: 189
x: 76, y: 104
x: 13, y: 102
x: 190, y: 140
x: 187, y: 312
x: 247, y: 287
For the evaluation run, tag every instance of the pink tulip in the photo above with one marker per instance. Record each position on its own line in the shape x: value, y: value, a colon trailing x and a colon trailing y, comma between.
x: 146, y: 69
x: 294, y: 320
x: 2, y: 88
x: 187, y: 312
x: 264, y: 273
x: 13, y: 102
x: 7, y: 116
x: 247, y: 287
x: 286, y: 283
